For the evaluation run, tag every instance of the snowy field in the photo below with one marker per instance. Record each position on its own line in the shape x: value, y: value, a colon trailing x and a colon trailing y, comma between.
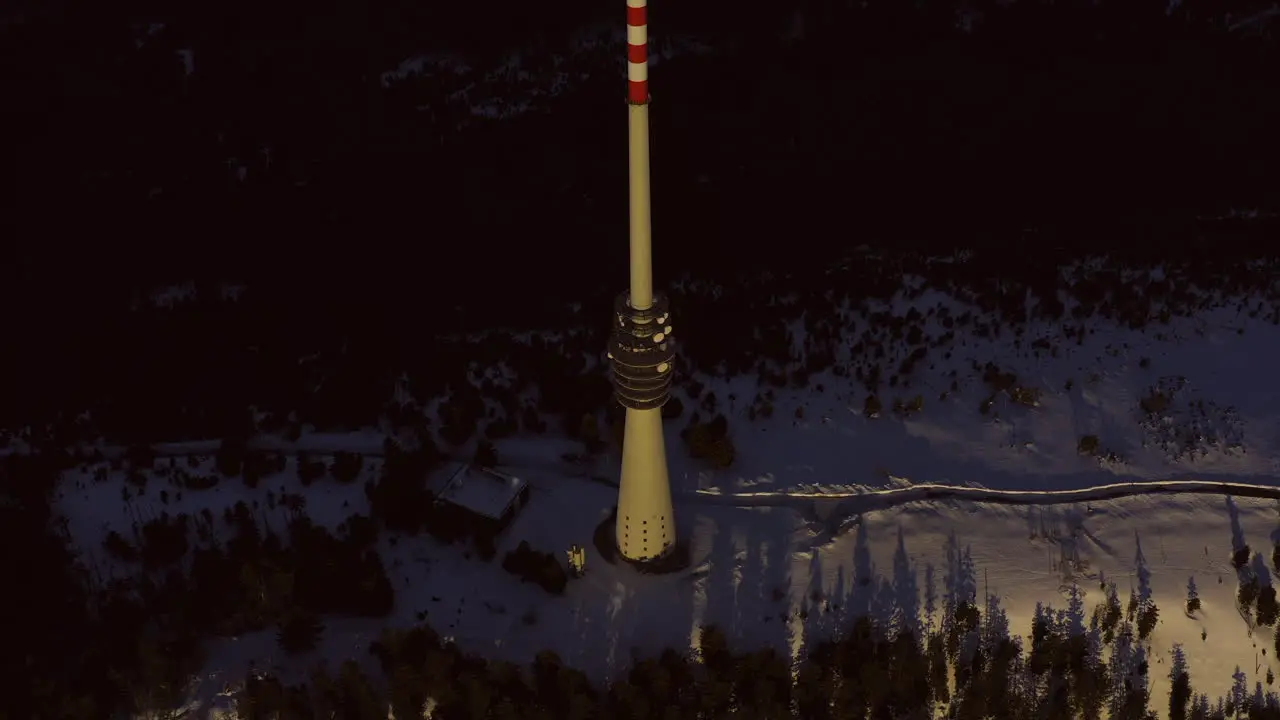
x: 801, y: 520
x: 1222, y: 420
x: 758, y: 570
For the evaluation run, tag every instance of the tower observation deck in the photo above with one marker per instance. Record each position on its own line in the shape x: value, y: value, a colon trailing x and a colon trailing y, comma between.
x: 641, y: 353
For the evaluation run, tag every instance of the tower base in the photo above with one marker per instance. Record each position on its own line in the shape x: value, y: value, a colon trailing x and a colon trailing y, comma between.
x: 605, y: 540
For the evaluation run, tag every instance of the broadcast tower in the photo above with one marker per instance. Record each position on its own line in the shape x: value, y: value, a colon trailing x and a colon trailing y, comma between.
x: 641, y: 350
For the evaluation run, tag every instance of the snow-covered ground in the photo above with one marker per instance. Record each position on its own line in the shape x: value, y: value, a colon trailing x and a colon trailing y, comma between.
x: 754, y: 570
x: 820, y: 496
x: 1219, y: 419
x: 1222, y: 421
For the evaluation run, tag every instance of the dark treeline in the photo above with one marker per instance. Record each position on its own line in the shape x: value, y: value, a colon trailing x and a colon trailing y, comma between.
x: 370, y: 218
x: 271, y: 364
x: 883, y: 123
x: 90, y: 644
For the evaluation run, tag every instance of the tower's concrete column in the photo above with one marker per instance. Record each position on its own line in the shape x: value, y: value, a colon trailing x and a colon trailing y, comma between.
x: 641, y: 349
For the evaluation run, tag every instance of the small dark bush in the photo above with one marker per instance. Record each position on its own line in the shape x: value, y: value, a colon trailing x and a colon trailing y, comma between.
x: 229, y: 459
x: 119, y: 548
x: 346, y: 467
x: 710, y: 441
x: 538, y: 567
x: 673, y: 409
x: 1154, y: 404
x: 872, y: 407
x: 299, y: 633
x: 309, y: 470
x: 486, y: 454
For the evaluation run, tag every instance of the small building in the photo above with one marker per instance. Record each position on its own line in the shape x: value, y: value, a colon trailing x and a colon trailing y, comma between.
x: 492, y: 497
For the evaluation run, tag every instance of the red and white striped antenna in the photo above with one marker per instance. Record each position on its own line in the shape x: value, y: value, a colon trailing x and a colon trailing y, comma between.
x: 637, y: 52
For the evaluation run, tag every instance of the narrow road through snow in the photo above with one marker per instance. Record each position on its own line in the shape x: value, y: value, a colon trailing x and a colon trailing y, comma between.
x: 870, y: 498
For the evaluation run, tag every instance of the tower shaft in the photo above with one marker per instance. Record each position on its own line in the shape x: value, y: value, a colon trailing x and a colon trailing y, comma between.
x: 638, y: 153
x: 646, y: 519
x: 638, y: 186
x: 641, y: 350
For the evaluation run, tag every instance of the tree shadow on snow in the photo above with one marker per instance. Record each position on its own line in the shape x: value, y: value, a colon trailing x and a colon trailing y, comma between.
x: 862, y: 592
x: 746, y: 590
x: 1100, y: 544
x: 959, y: 582
x: 838, y: 597
x: 719, y: 591
x: 825, y: 607
x: 594, y: 633
x: 891, y: 602
x: 1065, y: 528
x: 1237, y: 530
x: 760, y: 612
x: 1238, y: 543
x: 1141, y: 571
x: 930, y: 596
x: 906, y: 591
x: 813, y: 619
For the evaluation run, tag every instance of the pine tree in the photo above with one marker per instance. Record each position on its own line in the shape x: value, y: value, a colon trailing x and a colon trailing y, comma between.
x: 1089, y: 686
x: 1199, y: 708
x: 1147, y: 619
x: 1238, y: 697
x: 1248, y: 593
x: 1268, y: 609
x: 1075, y: 611
x: 1129, y: 685
x: 1193, y: 596
x: 995, y: 627
x: 1112, y: 614
x: 1180, y: 688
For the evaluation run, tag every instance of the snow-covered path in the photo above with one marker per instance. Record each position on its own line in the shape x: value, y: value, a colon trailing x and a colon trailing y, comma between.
x: 872, y: 499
